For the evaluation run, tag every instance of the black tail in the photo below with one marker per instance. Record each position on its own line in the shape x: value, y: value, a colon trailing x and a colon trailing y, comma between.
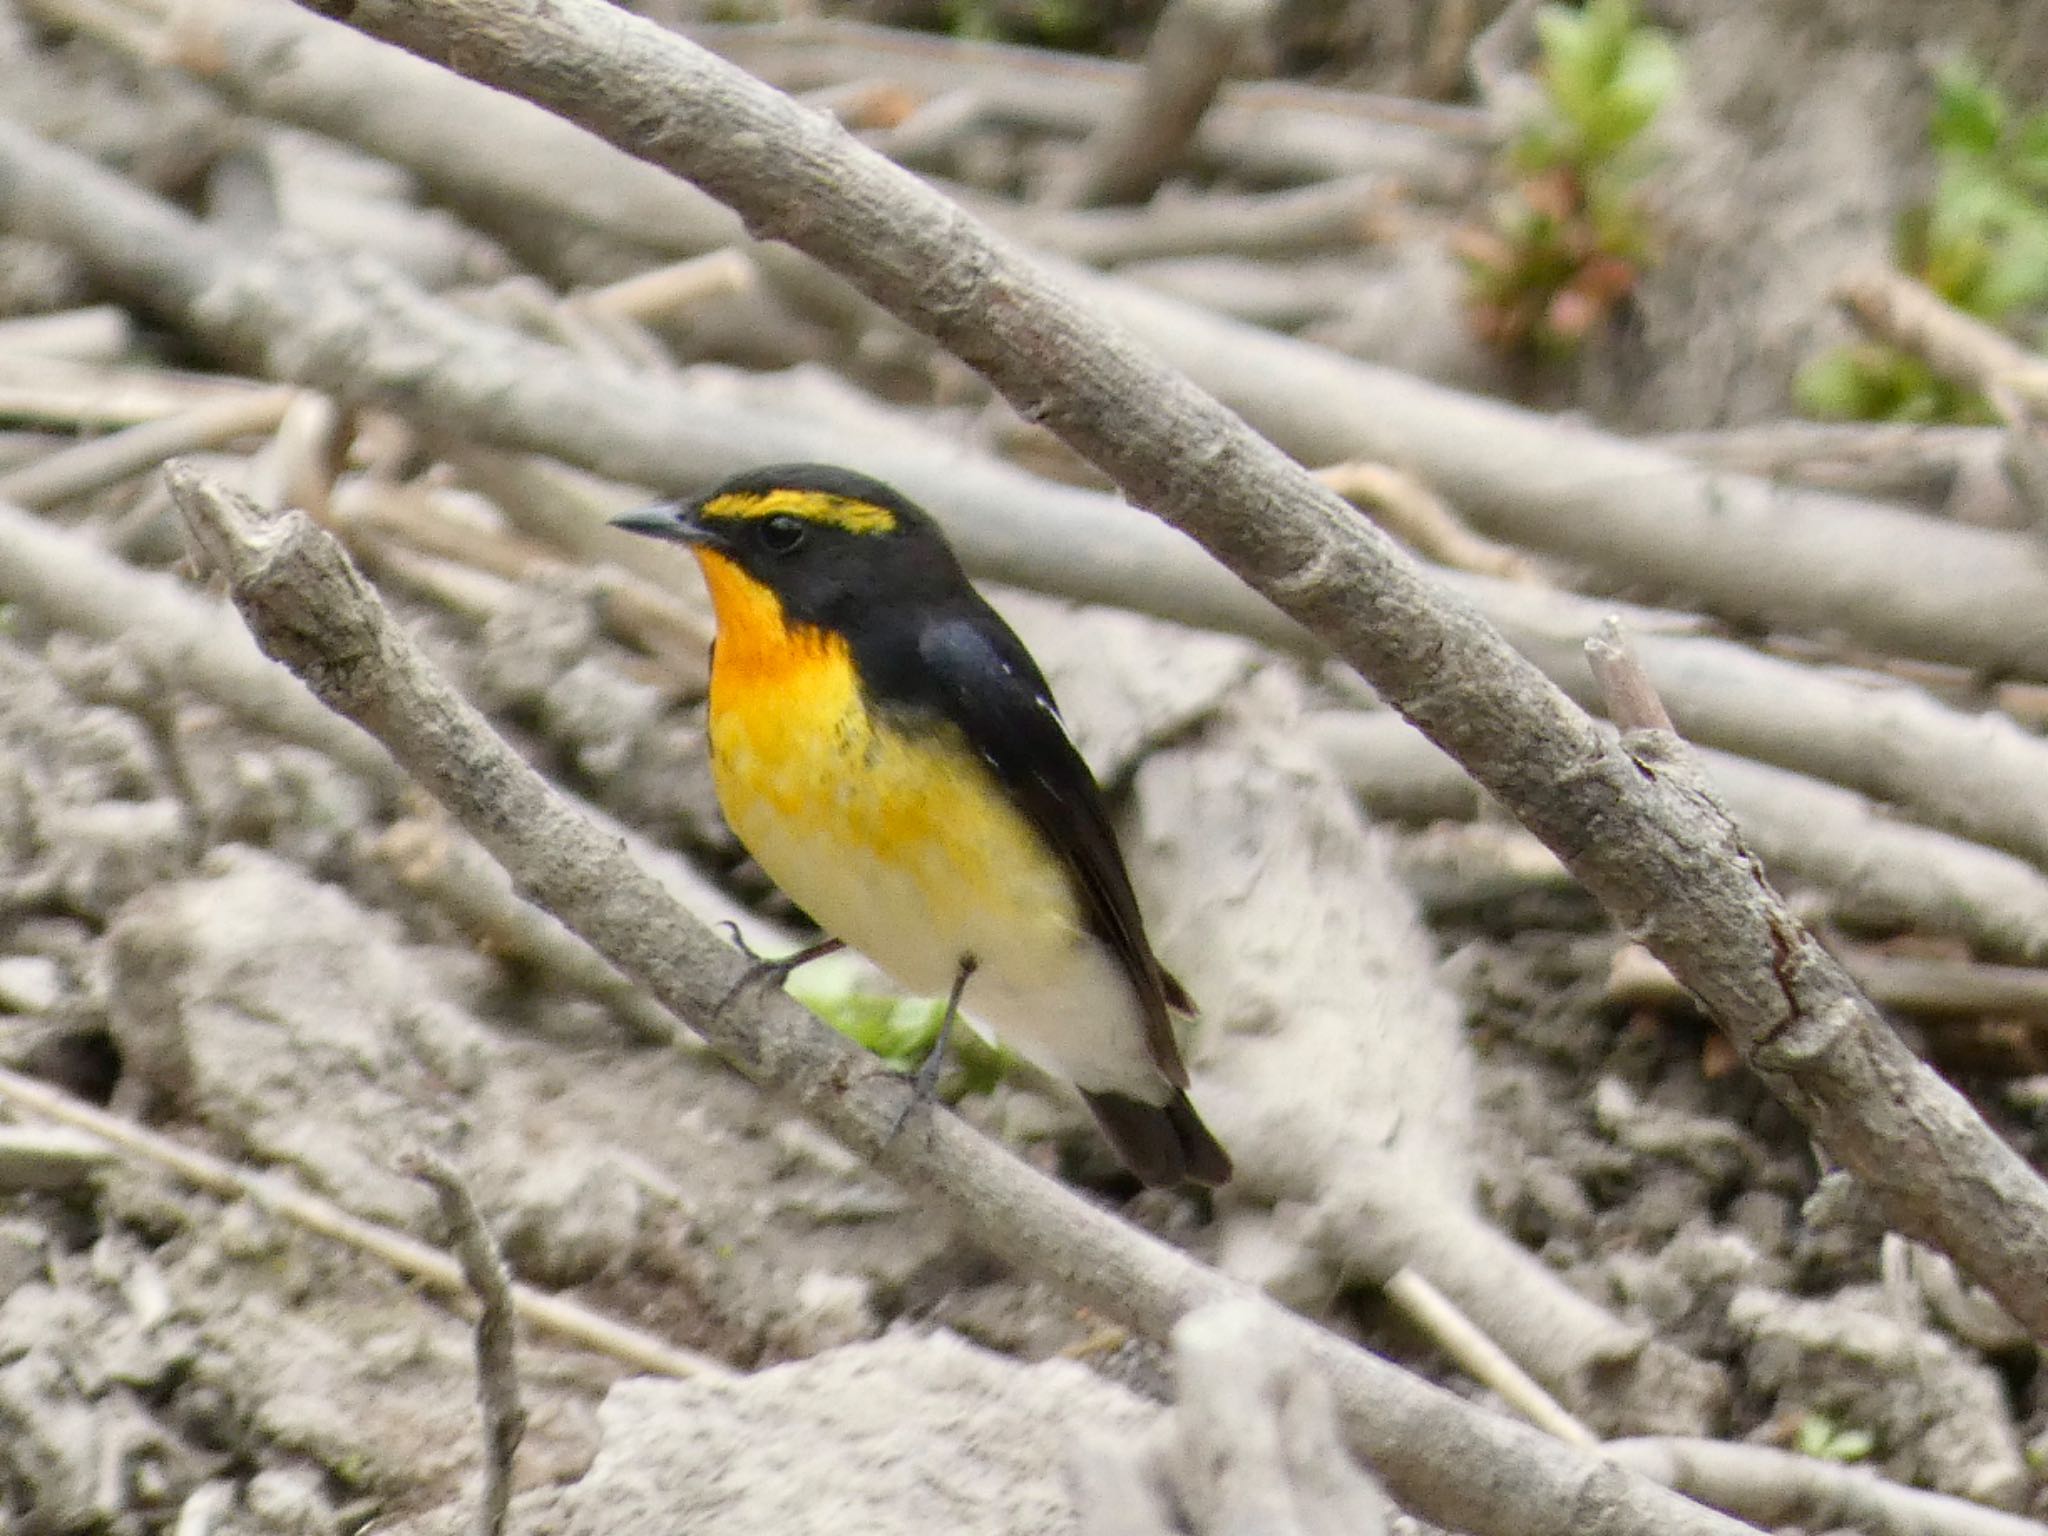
x: 1163, y: 1144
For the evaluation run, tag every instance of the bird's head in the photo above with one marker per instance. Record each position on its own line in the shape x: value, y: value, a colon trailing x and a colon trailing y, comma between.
x: 829, y: 544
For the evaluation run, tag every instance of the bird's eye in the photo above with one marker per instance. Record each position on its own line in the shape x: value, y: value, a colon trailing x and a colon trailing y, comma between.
x: 782, y: 533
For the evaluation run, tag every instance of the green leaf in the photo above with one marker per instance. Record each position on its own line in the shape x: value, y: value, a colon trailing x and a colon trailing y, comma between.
x: 2029, y: 156
x: 1969, y: 113
x: 1649, y: 74
x: 1820, y: 1437
x: 1834, y: 387
x: 899, y: 1030
x: 1605, y: 36
x: 1604, y: 75
x: 2016, y: 277
x: 1561, y: 41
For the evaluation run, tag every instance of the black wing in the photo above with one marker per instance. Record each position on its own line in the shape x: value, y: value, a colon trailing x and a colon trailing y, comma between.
x: 989, y: 686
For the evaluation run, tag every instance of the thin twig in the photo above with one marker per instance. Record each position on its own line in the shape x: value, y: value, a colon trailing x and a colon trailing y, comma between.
x: 1959, y: 347
x: 424, y: 1266
x: 1874, y: 867
x: 298, y: 593
x: 1926, y: 988
x: 92, y: 466
x: 665, y: 290
x: 98, y: 334
x: 1481, y: 1358
x: 1328, y: 216
x: 1135, y: 149
x: 1968, y: 352
x: 1775, y: 1488
x: 1418, y: 517
x: 1632, y: 702
x: 497, y: 1331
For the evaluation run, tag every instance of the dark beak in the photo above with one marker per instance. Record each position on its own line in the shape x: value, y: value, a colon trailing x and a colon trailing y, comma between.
x: 672, y: 520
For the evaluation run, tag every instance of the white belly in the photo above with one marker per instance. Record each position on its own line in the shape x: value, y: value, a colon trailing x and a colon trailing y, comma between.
x: 919, y: 864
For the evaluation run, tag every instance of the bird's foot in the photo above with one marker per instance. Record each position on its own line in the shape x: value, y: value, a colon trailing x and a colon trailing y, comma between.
x: 924, y: 1082
x: 761, y: 968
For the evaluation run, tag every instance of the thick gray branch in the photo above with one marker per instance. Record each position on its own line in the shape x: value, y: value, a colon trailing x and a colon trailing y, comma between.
x: 1644, y: 836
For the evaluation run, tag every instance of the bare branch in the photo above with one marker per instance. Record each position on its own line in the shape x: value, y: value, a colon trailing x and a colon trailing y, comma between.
x: 312, y: 611
x: 497, y: 1331
x: 1874, y: 868
x: 1664, y: 861
x: 1748, y: 550
x: 105, y: 461
x: 1134, y: 150
x: 1329, y: 215
x: 1959, y: 347
x: 427, y: 1267
x: 1964, y: 349
x: 1777, y: 1488
x: 1632, y: 702
x: 1480, y: 1357
x: 1415, y: 515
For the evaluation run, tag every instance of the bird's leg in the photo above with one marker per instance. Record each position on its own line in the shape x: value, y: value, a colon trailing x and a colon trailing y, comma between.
x: 762, y: 969
x: 924, y: 1083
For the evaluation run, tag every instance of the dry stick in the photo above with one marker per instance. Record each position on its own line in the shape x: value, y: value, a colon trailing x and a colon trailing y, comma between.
x: 92, y: 466
x: 663, y: 291
x: 1656, y: 850
x: 1882, y: 459
x: 424, y: 1266
x: 1137, y: 147
x: 360, y: 336
x: 1632, y: 702
x: 1459, y: 1466
x: 1965, y: 350
x: 1412, y: 513
x: 98, y: 334
x: 55, y: 392
x: 1776, y: 1488
x: 1959, y: 347
x: 1264, y: 294
x: 1877, y: 869
x: 1266, y: 132
x: 1764, y: 554
x: 1480, y: 1357
x: 1979, y: 775
x: 1928, y: 989
x: 497, y: 1332
x: 1340, y: 215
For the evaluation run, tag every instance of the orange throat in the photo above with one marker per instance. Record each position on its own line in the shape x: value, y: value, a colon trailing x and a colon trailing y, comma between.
x: 757, y: 645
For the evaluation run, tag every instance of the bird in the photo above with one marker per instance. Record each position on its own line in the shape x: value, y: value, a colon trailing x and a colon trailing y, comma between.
x: 888, y: 752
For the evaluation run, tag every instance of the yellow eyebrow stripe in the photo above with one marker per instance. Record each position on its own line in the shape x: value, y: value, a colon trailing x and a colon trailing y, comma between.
x: 843, y: 512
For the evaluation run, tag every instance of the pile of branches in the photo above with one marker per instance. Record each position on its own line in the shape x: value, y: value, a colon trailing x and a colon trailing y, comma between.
x: 459, y: 326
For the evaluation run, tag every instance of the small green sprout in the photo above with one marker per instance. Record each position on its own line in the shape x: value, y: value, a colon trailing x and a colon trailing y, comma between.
x: 1569, y: 239
x: 900, y: 1030
x: 1823, y: 1439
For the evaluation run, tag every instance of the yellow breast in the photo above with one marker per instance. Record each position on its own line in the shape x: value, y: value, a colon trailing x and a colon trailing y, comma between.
x: 900, y: 842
